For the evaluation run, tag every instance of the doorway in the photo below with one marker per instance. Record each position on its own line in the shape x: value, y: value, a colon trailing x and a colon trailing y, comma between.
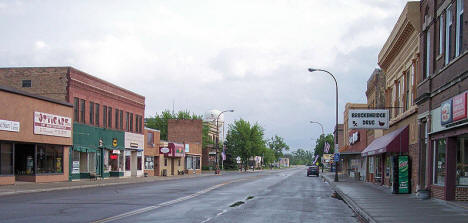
x: 25, y: 160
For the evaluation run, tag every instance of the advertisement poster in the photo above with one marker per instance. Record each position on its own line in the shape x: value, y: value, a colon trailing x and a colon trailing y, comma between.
x: 403, y: 175
x: 52, y: 125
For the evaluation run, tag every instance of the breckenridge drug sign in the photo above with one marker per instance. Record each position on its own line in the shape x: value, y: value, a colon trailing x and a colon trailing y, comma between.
x: 368, y: 119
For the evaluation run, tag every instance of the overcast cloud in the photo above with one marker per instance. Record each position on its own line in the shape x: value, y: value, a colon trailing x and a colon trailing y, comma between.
x: 251, y: 56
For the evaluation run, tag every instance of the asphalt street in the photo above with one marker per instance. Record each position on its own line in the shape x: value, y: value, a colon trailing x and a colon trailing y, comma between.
x: 267, y: 196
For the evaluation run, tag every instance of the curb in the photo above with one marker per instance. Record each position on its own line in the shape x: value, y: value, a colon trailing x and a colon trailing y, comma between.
x: 91, y: 186
x: 355, y: 207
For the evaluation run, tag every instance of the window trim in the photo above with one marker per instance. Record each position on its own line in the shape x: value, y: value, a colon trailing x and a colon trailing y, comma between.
x: 459, y: 28
x: 441, y: 34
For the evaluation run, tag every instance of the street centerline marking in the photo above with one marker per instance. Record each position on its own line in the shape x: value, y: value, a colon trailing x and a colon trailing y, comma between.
x: 167, y: 203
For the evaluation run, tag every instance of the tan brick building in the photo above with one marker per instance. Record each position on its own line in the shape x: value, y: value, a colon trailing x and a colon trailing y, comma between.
x: 188, y: 132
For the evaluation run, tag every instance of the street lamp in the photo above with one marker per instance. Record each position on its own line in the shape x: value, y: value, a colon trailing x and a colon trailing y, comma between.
x: 336, y: 114
x: 321, y: 126
x: 217, y: 139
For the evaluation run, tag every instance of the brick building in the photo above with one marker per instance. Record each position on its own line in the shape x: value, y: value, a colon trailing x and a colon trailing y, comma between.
x: 152, y: 158
x: 375, y: 93
x: 442, y: 96
x: 398, y: 59
x: 354, y: 142
x: 35, y: 137
x: 108, y: 120
x: 188, y: 132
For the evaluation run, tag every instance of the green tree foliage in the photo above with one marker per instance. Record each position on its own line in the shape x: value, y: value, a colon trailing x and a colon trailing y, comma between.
x: 300, y: 157
x: 245, y: 140
x: 269, y: 156
x: 320, y: 144
x: 278, y: 145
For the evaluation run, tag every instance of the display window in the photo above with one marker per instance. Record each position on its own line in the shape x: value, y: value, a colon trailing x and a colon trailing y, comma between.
x: 106, y: 162
x: 127, y: 160
x: 139, y: 161
x: 149, y: 162
x: 188, y: 163
x: 462, y: 161
x: 197, y: 162
x: 439, y: 161
x: 6, y: 159
x: 24, y: 159
x: 49, y: 158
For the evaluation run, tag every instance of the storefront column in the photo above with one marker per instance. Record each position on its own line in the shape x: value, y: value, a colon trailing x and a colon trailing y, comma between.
x: 451, y: 168
x: 429, y: 162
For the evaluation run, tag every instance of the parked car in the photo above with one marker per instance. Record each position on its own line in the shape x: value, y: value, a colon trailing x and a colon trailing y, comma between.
x: 313, y: 170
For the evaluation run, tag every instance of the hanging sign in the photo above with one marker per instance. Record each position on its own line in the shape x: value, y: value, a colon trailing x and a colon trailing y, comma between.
x: 164, y: 150
x: 368, y: 119
x: 403, y: 175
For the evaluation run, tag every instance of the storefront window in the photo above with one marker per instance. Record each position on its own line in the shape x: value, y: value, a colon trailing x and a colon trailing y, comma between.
x: 139, y: 161
x: 6, y: 159
x: 197, y: 162
x: 188, y: 163
x: 439, y: 161
x: 49, y: 159
x: 92, y: 162
x: 114, y: 161
x: 149, y: 163
x: 371, y: 164
x: 121, y: 161
x: 127, y: 160
x: 106, y: 160
x: 462, y: 162
x: 75, y: 162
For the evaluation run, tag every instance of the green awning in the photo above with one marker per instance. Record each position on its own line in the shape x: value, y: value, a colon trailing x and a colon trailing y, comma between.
x: 90, y: 138
x: 83, y: 149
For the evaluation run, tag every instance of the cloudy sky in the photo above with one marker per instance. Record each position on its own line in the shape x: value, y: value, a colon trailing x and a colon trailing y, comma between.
x: 251, y: 56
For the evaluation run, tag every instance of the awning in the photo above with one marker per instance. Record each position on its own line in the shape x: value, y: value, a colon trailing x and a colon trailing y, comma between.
x: 84, y: 149
x: 396, y: 141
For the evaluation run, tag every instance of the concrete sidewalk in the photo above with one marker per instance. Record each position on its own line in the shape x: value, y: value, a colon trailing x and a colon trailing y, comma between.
x: 29, y: 187
x: 374, y: 204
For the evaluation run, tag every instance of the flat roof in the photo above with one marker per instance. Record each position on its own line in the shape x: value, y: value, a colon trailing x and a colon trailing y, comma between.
x: 16, y: 91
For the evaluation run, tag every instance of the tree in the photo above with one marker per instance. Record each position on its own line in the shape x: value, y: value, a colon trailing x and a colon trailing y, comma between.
x: 268, y: 156
x: 320, y: 144
x: 300, y: 157
x: 277, y: 144
x: 245, y: 140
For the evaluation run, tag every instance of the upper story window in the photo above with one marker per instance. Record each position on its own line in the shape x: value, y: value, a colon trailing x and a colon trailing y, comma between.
x: 109, y: 117
x: 26, y: 83
x: 104, y: 116
x: 121, y: 119
x: 459, y: 29
x: 131, y: 122
x: 97, y: 113
x: 150, y: 138
x: 91, y: 112
x: 82, y: 110
x: 441, y: 34
x: 427, y: 54
x: 127, y: 122
x: 76, y: 107
x: 448, y: 33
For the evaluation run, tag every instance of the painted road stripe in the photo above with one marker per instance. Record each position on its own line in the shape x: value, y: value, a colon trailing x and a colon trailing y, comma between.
x: 164, y: 204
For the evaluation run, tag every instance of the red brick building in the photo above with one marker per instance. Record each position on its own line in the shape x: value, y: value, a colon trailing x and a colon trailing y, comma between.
x: 442, y: 96
x: 104, y: 115
x: 190, y: 133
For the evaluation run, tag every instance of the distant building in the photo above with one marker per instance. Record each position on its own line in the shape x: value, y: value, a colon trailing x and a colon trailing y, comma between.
x: 189, y: 133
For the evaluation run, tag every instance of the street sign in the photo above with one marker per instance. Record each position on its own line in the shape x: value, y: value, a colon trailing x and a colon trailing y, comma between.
x: 336, y: 157
x: 238, y: 159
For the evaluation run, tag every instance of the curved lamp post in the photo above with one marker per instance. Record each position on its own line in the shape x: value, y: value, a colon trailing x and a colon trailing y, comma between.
x: 217, y: 139
x: 321, y: 126
x: 336, y: 114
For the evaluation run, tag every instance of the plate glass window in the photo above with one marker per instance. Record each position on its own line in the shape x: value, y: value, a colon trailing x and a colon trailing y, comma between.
x: 6, y: 159
x: 439, y: 162
x: 462, y: 161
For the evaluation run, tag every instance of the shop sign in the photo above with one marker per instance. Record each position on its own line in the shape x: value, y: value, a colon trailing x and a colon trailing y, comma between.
x: 187, y: 148
x: 76, y: 167
x: 164, y: 150
x: 10, y: 126
x: 116, y: 151
x: 53, y: 125
x: 446, y: 112
x: 459, y: 107
x: 134, y: 141
x: 368, y: 119
x: 114, y: 142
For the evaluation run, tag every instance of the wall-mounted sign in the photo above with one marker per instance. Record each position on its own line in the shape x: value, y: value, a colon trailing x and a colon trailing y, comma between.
x: 114, y: 142
x: 368, y: 119
x: 187, y: 148
x: 459, y: 107
x: 446, y: 112
x: 354, y: 138
x: 164, y: 150
x: 10, y: 126
x: 53, y: 125
x: 116, y: 151
x: 134, y: 141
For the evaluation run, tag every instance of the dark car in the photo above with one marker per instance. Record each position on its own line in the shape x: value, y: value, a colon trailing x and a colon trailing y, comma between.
x: 313, y: 170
